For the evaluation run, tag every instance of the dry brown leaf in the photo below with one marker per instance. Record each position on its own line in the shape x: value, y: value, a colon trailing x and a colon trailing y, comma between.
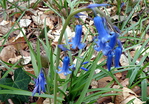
x: 124, y: 60
x: 40, y: 100
x: 127, y: 95
x: 127, y: 92
x: 118, y: 75
x: 46, y: 101
x: 125, y: 82
x: 135, y: 101
x: 14, y: 60
x: 104, y: 81
x: 29, y: 69
x: 104, y: 100
x: 94, y: 84
x: 20, y: 44
x: 7, y: 53
x: 137, y: 89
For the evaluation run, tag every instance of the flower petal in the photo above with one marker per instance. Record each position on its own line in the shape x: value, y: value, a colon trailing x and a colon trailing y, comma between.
x: 102, y: 32
x: 109, y: 61
x: 84, y: 69
x: 96, y: 5
x: 85, y: 62
x: 81, y: 45
x: 118, y: 52
x: 113, y: 40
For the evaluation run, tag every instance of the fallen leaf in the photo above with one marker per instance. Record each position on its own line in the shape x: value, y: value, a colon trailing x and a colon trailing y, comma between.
x: 135, y: 101
x: 127, y: 95
x: 19, y: 44
x: 25, y: 60
x: 125, y: 82
x: 94, y: 84
x: 46, y: 101
x: 124, y: 60
x: 7, y: 53
x: 14, y: 60
x: 25, y: 22
x: 40, y: 100
x: 4, y: 23
x: 104, y: 81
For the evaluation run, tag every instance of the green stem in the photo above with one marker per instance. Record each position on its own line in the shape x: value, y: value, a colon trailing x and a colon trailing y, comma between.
x: 58, y: 50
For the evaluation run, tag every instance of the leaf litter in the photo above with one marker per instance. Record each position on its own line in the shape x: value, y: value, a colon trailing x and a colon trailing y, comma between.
x: 16, y: 48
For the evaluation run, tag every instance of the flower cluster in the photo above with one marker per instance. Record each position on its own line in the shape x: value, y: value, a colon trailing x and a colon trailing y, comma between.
x: 107, y: 41
x: 39, y: 84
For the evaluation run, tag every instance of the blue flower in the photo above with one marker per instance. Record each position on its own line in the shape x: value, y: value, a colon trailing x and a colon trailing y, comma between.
x: 76, y: 41
x: 113, y: 40
x: 103, y: 34
x: 102, y: 46
x: 96, y: 5
x: 39, y: 84
x: 109, y: 61
x: 65, y: 67
x: 118, y: 52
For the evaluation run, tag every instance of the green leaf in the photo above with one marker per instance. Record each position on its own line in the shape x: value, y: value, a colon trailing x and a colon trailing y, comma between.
x: 9, y: 82
x: 21, y: 80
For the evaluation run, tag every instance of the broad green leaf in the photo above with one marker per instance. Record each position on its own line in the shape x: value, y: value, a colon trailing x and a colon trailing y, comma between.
x: 21, y: 80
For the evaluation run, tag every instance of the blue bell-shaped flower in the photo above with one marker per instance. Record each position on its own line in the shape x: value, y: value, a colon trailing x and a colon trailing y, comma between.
x: 118, y: 52
x: 103, y: 34
x: 76, y: 41
x: 109, y: 61
x: 39, y: 84
x: 65, y: 67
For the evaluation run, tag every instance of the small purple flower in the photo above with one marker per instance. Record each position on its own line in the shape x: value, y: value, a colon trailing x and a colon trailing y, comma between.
x: 103, y: 34
x: 118, y: 52
x: 109, y: 61
x: 65, y: 68
x: 76, y: 41
x: 39, y: 84
x: 102, y: 46
x: 113, y: 40
x: 96, y: 5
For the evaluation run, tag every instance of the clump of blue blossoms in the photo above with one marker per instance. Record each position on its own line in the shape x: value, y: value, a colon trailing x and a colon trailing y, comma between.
x: 40, y: 83
x: 107, y: 41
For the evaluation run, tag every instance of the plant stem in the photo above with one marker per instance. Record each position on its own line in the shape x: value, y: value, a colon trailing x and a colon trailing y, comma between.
x: 58, y: 50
